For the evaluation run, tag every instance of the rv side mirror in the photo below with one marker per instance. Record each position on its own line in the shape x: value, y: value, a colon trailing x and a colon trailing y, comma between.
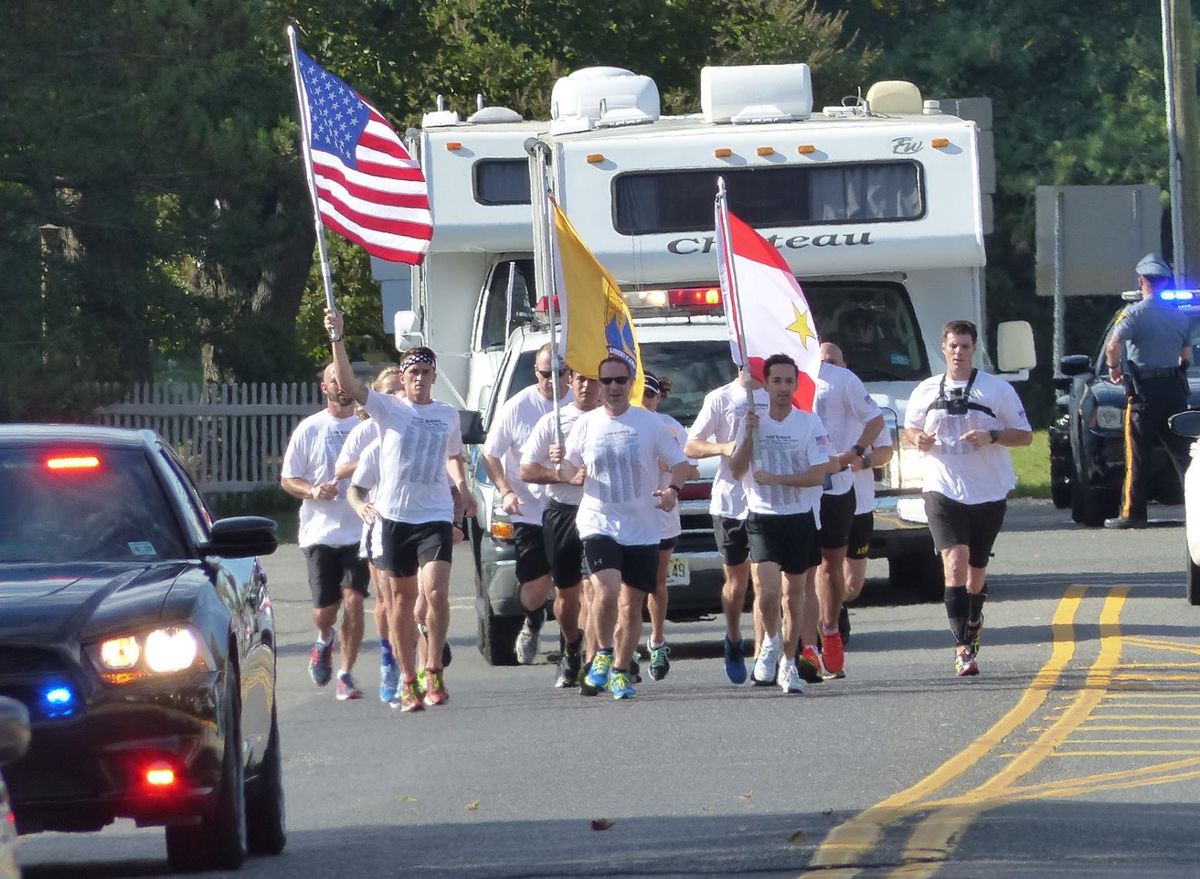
x: 471, y: 424
x: 1014, y: 346
x: 406, y: 327
x: 1185, y: 423
x: 1075, y: 364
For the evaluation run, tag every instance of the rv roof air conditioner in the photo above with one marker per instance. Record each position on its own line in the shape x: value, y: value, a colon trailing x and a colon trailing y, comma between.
x: 602, y: 97
x: 756, y: 94
x: 486, y: 115
x: 441, y: 117
x: 895, y: 97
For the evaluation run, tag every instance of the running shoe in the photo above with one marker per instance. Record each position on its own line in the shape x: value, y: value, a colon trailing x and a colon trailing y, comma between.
x: 735, y: 661
x: 965, y: 665
x: 346, y: 690
x: 788, y: 678
x: 527, y: 645
x: 421, y: 681
x: 766, y: 667
x: 833, y: 654
x: 660, y: 662
x: 621, y: 686
x: 409, y: 698
x: 435, y: 688
x: 600, y: 671
x: 389, y: 680
x: 808, y: 665
x: 568, y: 669
x: 320, y: 663
x: 635, y: 670
x: 586, y: 688
x: 974, y: 633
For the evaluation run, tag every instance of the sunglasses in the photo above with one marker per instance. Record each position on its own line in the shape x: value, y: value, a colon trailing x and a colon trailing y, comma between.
x: 610, y: 379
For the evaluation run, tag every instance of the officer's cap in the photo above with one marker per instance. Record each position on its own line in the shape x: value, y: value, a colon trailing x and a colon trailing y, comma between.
x: 1153, y: 266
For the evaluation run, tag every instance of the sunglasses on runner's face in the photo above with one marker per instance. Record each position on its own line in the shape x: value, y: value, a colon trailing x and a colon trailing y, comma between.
x: 547, y: 373
x: 609, y: 379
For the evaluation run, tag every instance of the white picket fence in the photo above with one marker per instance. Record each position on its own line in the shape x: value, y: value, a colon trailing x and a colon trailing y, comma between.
x: 232, y: 437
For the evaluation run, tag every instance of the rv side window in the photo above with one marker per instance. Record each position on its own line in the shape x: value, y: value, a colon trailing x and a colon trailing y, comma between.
x: 501, y: 181
x: 495, y: 329
x: 682, y: 201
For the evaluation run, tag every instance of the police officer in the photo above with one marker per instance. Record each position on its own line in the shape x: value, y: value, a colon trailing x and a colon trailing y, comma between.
x: 1149, y: 351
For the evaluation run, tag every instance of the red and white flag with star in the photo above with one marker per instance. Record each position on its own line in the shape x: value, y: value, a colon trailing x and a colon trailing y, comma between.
x: 763, y: 301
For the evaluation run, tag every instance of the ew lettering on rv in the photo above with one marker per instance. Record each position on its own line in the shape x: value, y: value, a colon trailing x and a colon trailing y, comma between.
x: 684, y: 246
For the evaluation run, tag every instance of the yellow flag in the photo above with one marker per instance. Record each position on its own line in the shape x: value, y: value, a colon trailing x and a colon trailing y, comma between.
x: 595, y: 319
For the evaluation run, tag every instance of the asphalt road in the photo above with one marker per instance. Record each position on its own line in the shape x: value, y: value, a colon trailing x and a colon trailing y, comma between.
x: 1073, y: 754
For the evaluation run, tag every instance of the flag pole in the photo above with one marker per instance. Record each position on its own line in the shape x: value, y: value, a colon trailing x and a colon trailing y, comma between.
x: 739, y: 328
x: 546, y: 234
x: 306, y: 152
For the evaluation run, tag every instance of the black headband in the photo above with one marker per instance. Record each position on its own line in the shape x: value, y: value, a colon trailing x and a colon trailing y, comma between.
x: 414, y: 359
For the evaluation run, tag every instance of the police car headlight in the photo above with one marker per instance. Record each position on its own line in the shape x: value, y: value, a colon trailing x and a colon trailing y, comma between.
x: 1110, y: 417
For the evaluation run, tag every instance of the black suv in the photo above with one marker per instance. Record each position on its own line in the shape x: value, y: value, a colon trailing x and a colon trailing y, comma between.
x: 1087, y: 440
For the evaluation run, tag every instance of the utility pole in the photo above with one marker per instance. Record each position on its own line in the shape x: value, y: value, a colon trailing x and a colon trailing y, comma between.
x: 1183, y: 138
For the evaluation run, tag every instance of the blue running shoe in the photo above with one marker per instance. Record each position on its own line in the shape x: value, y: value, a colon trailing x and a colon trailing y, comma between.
x: 320, y: 663
x: 389, y: 680
x: 598, y: 675
x: 735, y: 662
x: 621, y: 686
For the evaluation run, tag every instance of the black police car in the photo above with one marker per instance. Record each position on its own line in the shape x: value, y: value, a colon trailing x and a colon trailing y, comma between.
x: 1087, y: 438
x: 139, y: 635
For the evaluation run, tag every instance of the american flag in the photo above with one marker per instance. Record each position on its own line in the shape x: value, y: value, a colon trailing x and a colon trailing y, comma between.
x: 369, y: 189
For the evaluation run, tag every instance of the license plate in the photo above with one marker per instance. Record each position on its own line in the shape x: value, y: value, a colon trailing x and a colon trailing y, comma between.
x: 678, y: 574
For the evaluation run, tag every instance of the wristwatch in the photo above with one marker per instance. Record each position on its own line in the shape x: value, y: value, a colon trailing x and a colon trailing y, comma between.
x: 995, y: 435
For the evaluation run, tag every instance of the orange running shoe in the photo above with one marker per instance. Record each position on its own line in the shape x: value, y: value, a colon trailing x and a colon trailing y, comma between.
x: 808, y: 664
x: 833, y: 654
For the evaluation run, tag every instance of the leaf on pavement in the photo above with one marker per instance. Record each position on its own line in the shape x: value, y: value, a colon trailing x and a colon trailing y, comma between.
x: 746, y: 796
x: 706, y: 808
x: 798, y: 836
x: 601, y: 824
x: 406, y: 798
x: 473, y: 806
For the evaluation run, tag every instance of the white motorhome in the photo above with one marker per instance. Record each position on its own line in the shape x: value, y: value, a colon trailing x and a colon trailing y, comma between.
x: 879, y: 208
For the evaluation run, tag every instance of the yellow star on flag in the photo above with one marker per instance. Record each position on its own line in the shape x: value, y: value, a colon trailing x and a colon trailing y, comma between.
x: 800, y: 327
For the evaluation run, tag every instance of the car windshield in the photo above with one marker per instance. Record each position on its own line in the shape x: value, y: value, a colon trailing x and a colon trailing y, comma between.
x: 694, y: 367
x: 83, y: 503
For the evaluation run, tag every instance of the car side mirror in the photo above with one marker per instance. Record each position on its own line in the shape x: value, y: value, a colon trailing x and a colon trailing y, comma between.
x: 1185, y: 423
x: 1075, y: 364
x: 14, y: 731
x: 1014, y: 346
x: 240, y: 537
x: 471, y: 423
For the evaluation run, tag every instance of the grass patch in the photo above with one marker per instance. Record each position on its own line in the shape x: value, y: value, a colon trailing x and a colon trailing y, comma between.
x: 1032, y: 464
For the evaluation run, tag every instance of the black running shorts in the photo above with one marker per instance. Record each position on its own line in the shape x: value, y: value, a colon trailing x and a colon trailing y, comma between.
x: 731, y: 540
x: 837, y: 515
x: 638, y: 564
x: 407, y: 547
x: 787, y: 541
x: 972, y: 525
x: 332, y: 569
x: 861, y: 530
x: 531, y: 552
x: 564, y: 549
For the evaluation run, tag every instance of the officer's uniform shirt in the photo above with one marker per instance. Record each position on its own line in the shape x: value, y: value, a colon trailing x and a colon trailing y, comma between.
x: 1154, y: 333
x: 952, y: 467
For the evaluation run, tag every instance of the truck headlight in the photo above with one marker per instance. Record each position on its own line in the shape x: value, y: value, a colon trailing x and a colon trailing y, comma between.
x: 1110, y: 417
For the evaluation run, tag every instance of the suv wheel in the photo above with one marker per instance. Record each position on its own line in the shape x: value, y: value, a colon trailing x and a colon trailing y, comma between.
x: 1091, y: 505
x: 498, y: 638
x: 919, y: 572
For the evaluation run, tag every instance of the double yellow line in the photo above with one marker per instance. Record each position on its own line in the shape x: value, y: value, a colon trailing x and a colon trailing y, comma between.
x: 937, y: 835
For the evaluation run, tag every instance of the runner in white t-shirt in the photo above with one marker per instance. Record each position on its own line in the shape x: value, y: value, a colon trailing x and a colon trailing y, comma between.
x: 421, y: 443
x: 621, y: 449
x: 655, y: 390
x: 962, y: 421
x: 564, y: 549
x: 329, y: 534
x: 859, y: 548
x: 713, y: 434
x: 781, y: 493
x: 854, y: 421
x: 524, y: 503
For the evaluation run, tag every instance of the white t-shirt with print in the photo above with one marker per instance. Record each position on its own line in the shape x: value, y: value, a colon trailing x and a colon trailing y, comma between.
x: 718, y: 421
x: 537, y: 451
x: 864, y: 480
x: 417, y: 440
x: 952, y: 467
x: 364, y: 433
x: 844, y: 407
x: 508, y: 433
x: 366, y: 475
x: 786, y: 447
x: 672, y: 524
x: 311, y: 455
x: 622, y: 455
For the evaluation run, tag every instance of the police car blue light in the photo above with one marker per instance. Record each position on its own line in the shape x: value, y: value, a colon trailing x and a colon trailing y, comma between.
x: 1180, y: 295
